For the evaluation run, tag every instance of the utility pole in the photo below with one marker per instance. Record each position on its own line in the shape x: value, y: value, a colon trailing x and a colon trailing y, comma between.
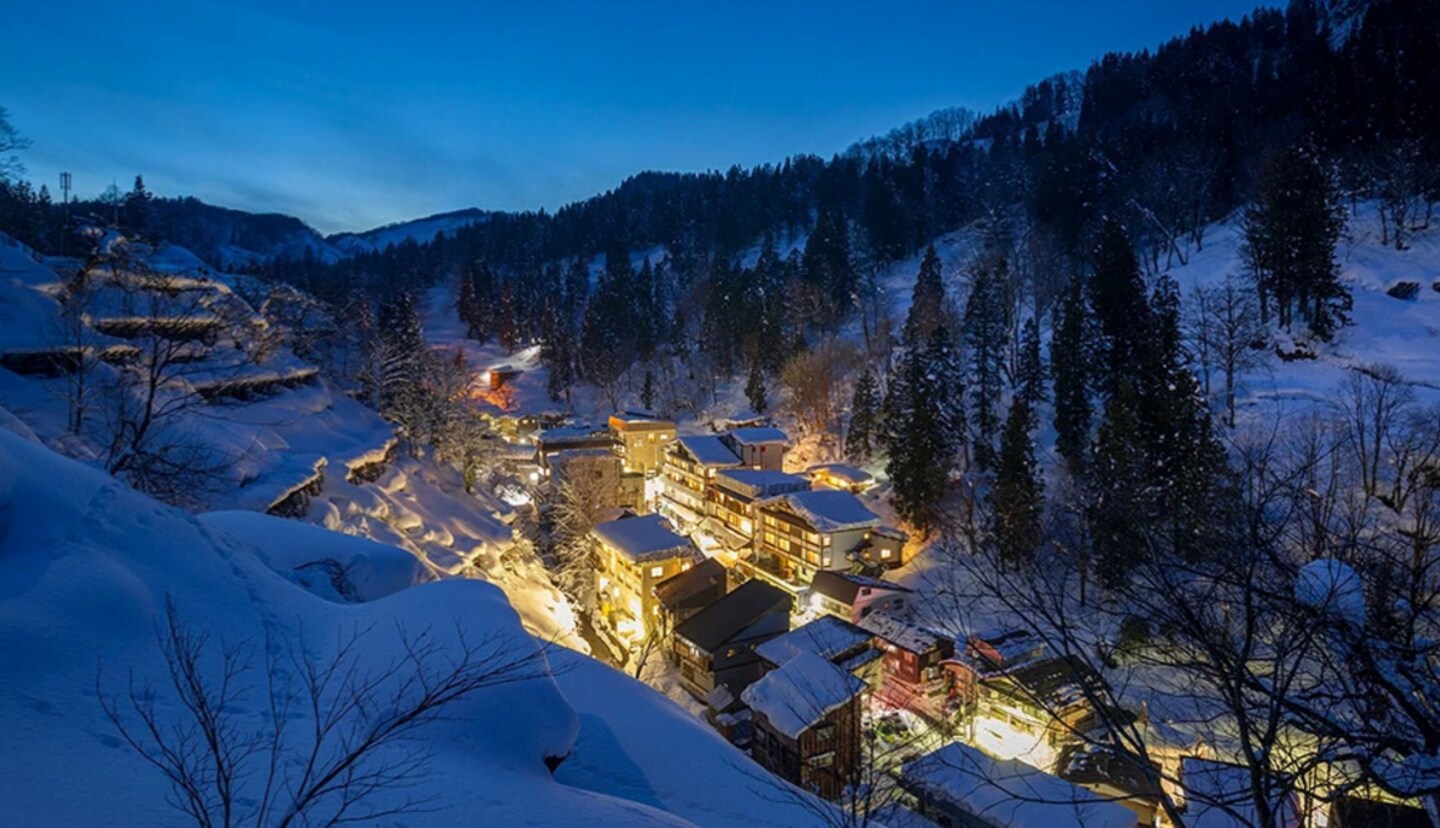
x: 65, y: 201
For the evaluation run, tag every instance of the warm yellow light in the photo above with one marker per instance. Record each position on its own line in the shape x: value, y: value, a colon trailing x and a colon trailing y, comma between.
x: 1003, y: 740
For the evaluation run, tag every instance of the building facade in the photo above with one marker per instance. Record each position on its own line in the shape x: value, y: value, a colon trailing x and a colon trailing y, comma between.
x: 641, y: 440
x: 633, y: 555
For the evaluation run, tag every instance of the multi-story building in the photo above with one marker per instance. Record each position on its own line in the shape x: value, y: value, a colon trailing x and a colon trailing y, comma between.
x: 913, y: 675
x: 735, y: 493
x: 805, y: 532
x: 634, y: 554
x: 807, y: 723
x: 853, y: 597
x: 690, y: 467
x: 641, y: 440
x: 716, y: 646
x: 759, y: 447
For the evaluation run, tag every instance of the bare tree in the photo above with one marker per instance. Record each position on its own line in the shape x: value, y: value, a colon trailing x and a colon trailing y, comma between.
x: 336, y: 735
x: 1227, y: 336
x: 146, y: 437
x: 580, y: 503
x: 1371, y: 402
x: 76, y: 342
x: 815, y: 382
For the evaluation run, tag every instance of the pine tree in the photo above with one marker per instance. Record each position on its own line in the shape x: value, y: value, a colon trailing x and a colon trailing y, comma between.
x: 1118, y: 302
x: 985, y: 326
x: 467, y: 305
x: 755, y: 389
x: 136, y: 209
x: 401, y: 342
x: 927, y: 308
x: 863, y: 434
x: 826, y: 264
x: 1120, y: 498
x: 507, y: 321
x: 1017, y: 500
x: 1186, y: 463
x: 1070, y: 367
x: 1030, y: 381
x: 921, y: 433
x: 1291, y: 231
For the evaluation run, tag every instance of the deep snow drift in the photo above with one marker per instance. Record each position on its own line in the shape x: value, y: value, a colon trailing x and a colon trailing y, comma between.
x: 86, y: 568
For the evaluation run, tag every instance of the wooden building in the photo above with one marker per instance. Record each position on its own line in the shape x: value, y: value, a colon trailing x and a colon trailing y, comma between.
x: 853, y: 597
x: 687, y: 473
x: 806, y: 724
x: 716, y: 646
x: 839, y: 642
x: 602, y: 469
x: 680, y: 597
x: 841, y: 476
x: 735, y: 494
x: 913, y: 675
x: 805, y: 532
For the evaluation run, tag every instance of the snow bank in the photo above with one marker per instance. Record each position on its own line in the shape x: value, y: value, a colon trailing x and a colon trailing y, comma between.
x: 87, y: 566
x: 330, y: 564
x: 636, y: 743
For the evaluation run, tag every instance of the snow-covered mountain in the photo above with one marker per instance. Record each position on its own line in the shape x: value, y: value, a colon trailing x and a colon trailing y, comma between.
x: 417, y: 230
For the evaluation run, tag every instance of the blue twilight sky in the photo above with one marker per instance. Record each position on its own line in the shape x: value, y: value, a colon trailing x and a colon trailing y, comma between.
x: 354, y: 114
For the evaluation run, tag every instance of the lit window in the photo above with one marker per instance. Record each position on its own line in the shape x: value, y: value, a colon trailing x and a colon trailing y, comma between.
x: 657, y: 571
x: 885, y: 553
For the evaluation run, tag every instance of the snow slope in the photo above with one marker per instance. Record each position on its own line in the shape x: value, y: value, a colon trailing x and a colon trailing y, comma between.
x: 418, y: 230
x: 275, y: 441
x: 1404, y: 334
x: 87, y: 566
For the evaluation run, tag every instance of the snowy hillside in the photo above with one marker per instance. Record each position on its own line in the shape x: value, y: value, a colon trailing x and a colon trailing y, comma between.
x: 88, y: 566
x: 417, y: 230
x: 1386, y: 330
x: 278, y: 425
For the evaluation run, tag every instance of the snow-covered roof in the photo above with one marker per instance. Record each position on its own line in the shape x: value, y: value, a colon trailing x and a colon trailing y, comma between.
x: 644, y: 538
x: 1008, y: 793
x: 842, y: 471
x: 1002, y: 648
x: 831, y: 510
x: 760, y: 482
x: 570, y: 434
x: 640, y: 418
x: 709, y: 450
x: 902, y: 634
x: 801, y: 692
x: 1218, y: 795
x: 826, y: 636
x: 755, y: 435
x: 845, y: 586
